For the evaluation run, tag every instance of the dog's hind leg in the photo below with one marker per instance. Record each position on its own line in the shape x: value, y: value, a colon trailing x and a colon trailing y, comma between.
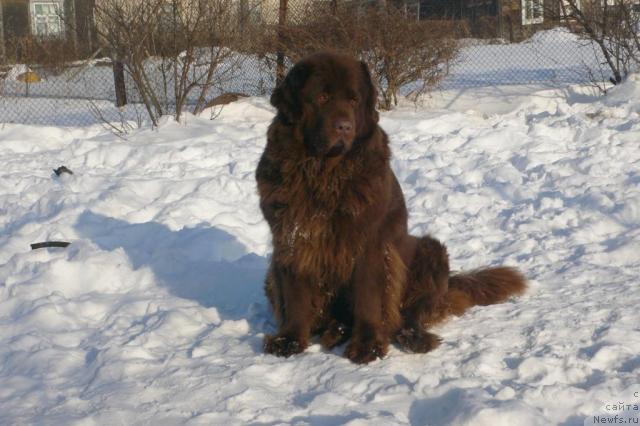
x: 425, y: 298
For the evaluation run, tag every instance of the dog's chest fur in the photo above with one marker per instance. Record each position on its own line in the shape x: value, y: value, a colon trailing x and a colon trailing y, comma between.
x: 320, y: 230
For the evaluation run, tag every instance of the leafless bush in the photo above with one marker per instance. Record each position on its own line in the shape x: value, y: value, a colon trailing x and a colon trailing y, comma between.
x: 49, y: 55
x: 175, y: 51
x: 613, y: 26
x: 129, y: 118
x: 401, y: 50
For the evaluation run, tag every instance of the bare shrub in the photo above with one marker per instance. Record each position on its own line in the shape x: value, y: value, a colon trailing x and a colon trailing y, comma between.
x: 176, y: 52
x: 400, y: 50
x: 49, y: 55
x: 612, y: 26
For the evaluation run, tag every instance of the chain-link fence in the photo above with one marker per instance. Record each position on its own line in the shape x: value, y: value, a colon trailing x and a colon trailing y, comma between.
x: 520, y: 48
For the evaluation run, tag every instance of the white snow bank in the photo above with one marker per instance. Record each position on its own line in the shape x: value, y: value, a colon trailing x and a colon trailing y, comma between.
x: 155, y: 313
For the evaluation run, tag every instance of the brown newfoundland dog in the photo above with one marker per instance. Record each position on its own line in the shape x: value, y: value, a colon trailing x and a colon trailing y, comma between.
x: 343, y: 265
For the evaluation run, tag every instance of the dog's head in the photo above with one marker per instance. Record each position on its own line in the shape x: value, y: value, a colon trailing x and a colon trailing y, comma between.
x: 330, y: 100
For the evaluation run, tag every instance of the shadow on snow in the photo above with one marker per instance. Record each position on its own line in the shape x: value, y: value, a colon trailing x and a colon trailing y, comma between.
x: 203, y: 263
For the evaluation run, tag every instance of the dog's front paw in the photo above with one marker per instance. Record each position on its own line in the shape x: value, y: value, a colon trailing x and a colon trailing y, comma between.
x: 365, y: 351
x: 417, y: 340
x: 283, y: 345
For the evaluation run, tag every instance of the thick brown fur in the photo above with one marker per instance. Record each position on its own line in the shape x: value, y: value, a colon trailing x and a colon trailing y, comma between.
x: 343, y: 264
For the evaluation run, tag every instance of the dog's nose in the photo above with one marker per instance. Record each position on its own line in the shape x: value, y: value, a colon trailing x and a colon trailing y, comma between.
x: 343, y: 126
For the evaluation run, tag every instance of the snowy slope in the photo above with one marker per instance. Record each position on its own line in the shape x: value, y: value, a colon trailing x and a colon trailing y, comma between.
x: 155, y: 313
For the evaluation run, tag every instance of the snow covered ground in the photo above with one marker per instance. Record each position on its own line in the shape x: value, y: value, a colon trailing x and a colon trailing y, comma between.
x: 155, y: 313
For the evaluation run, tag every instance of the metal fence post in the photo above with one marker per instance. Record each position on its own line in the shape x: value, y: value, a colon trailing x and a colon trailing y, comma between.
x: 500, y: 19
x: 334, y: 7
x: 120, y: 87
x: 282, y: 20
x: 3, y: 52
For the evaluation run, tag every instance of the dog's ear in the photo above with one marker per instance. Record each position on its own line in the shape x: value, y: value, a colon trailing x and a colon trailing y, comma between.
x: 287, y: 96
x: 370, y: 96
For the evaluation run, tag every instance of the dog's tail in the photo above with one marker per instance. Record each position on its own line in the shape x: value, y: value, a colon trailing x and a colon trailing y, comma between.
x: 434, y: 293
x: 483, y: 287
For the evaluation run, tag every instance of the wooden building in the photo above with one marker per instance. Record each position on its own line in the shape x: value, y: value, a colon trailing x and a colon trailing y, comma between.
x: 68, y: 19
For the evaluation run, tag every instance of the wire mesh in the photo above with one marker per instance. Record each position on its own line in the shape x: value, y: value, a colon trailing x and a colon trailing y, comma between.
x: 83, y: 92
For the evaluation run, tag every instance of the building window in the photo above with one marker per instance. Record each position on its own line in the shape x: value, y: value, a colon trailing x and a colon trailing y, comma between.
x: 46, y: 18
x: 532, y: 12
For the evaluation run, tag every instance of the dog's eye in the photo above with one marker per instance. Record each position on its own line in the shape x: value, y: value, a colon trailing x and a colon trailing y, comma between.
x: 323, y: 98
x: 353, y: 102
